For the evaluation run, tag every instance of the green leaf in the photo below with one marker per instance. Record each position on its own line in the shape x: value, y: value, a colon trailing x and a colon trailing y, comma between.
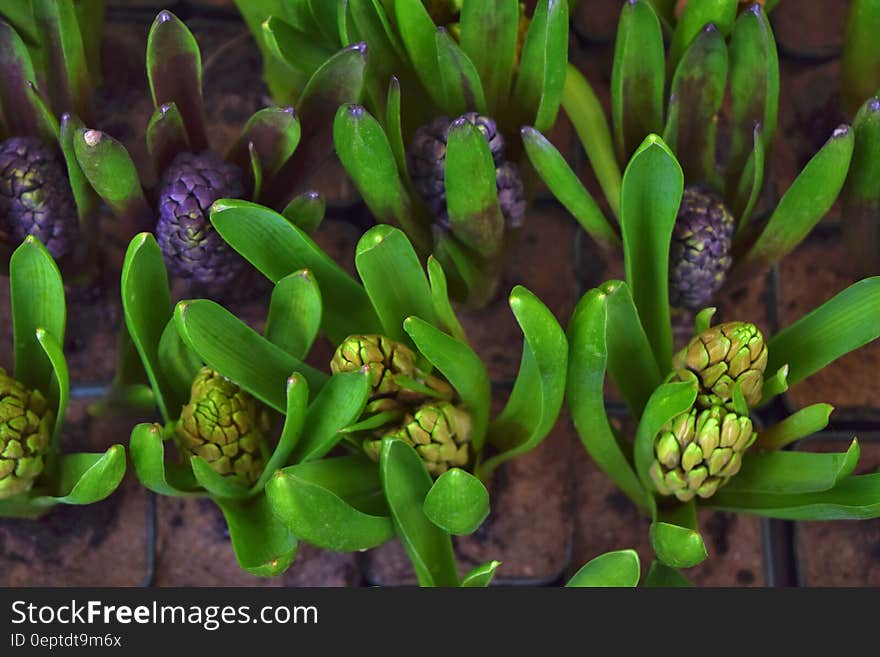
x: 273, y: 133
x: 676, y: 546
x: 661, y: 575
x: 617, y: 569
x: 800, y: 424
x: 446, y: 316
x: 20, y: 114
x: 668, y: 400
x: 555, y: 62
x: 366, y: 155
x: 457, y: 502
x: 146, y: 306
x: 472, y: 190
x: 630, y: 359
x: 61, y: 383
x: 37, y: 298
x: 178, y: 366
x: 751, y: 180
x: 588, y: 118
x: 462, y: 368
x: 637, y: 77
x: 406, y: 484
x: 20, y: 15
x: 84, y: 196
x: 539, y: 390
x: 459, y: 79
x: 695, y: 100
x: 394, y: 279
x: 842, y: 324
x: 418, y: 34
x: 481, y: 576
x: 312, y: 500
x: 339, y: 80
x: 294, y: 313
x: 495, y: 24
x: 542, y: 66
x: 298, y: 49
x: 754, y: 86
x: 67, y: 73
x: 148, y: 458
x: 394, y: 127
x: 696, y: 15
x: 366, y: 21
x: 90, y: 16
x: 588, y: 357
x: 651, y: 193
x: 45, y: 116
x: 854, y: 498
x: 295, y: 417
x: 339, y: 403
x: 774, y: 385
x: 166, y: 136
x: 112, y: 174
x: 239, y: 353
x: 218, y: 486
x: 87, y: 478
x: 860, y: 59
x: 174, y: 70
x: 473, y: 279
x: 263, y: 546
x: 861, y: 195
x: 810, y: 196
x: 306, y: 211
x: 276, y: 248
x: 567, y: 188
x: 784, y: 472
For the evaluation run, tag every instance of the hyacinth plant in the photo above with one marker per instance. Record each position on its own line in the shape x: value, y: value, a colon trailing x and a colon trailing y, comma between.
x: 48, y: 64
x: 428, y: 389
x: 437, y: 152
x: 232, y: 429
x: 34, y: 473
x: 267, y: 161
x: 713, y: 53
x: 697, y: 442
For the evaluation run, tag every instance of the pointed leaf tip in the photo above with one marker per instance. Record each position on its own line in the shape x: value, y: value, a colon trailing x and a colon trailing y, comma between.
x: 840, y: 131
x: 164, y: 16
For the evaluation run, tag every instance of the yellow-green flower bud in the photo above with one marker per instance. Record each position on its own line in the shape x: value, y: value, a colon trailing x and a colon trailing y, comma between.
x: 699, y: 451
x: 439, y: 432
x: 25, y: 432
x: 225, y: 426
x: 722, y: 356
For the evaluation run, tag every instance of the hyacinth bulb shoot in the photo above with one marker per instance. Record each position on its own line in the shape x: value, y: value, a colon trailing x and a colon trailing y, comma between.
x: 25, y: 432
x: 700, y: 252
x: 723, y: 356
x: 35, y: 196
x: 439, y: 432
x: 224, y: 425
x: 699, y: 451
x: 427, y: 163
x: 191, y: 246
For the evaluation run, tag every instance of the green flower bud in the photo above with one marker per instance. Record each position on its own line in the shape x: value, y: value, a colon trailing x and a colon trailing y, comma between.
x: 439, y: 432
x: 698, y: 451
x: 722, y: 356
x: 25, y: 432
x: 383, y: 357
x: 225, y: 426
